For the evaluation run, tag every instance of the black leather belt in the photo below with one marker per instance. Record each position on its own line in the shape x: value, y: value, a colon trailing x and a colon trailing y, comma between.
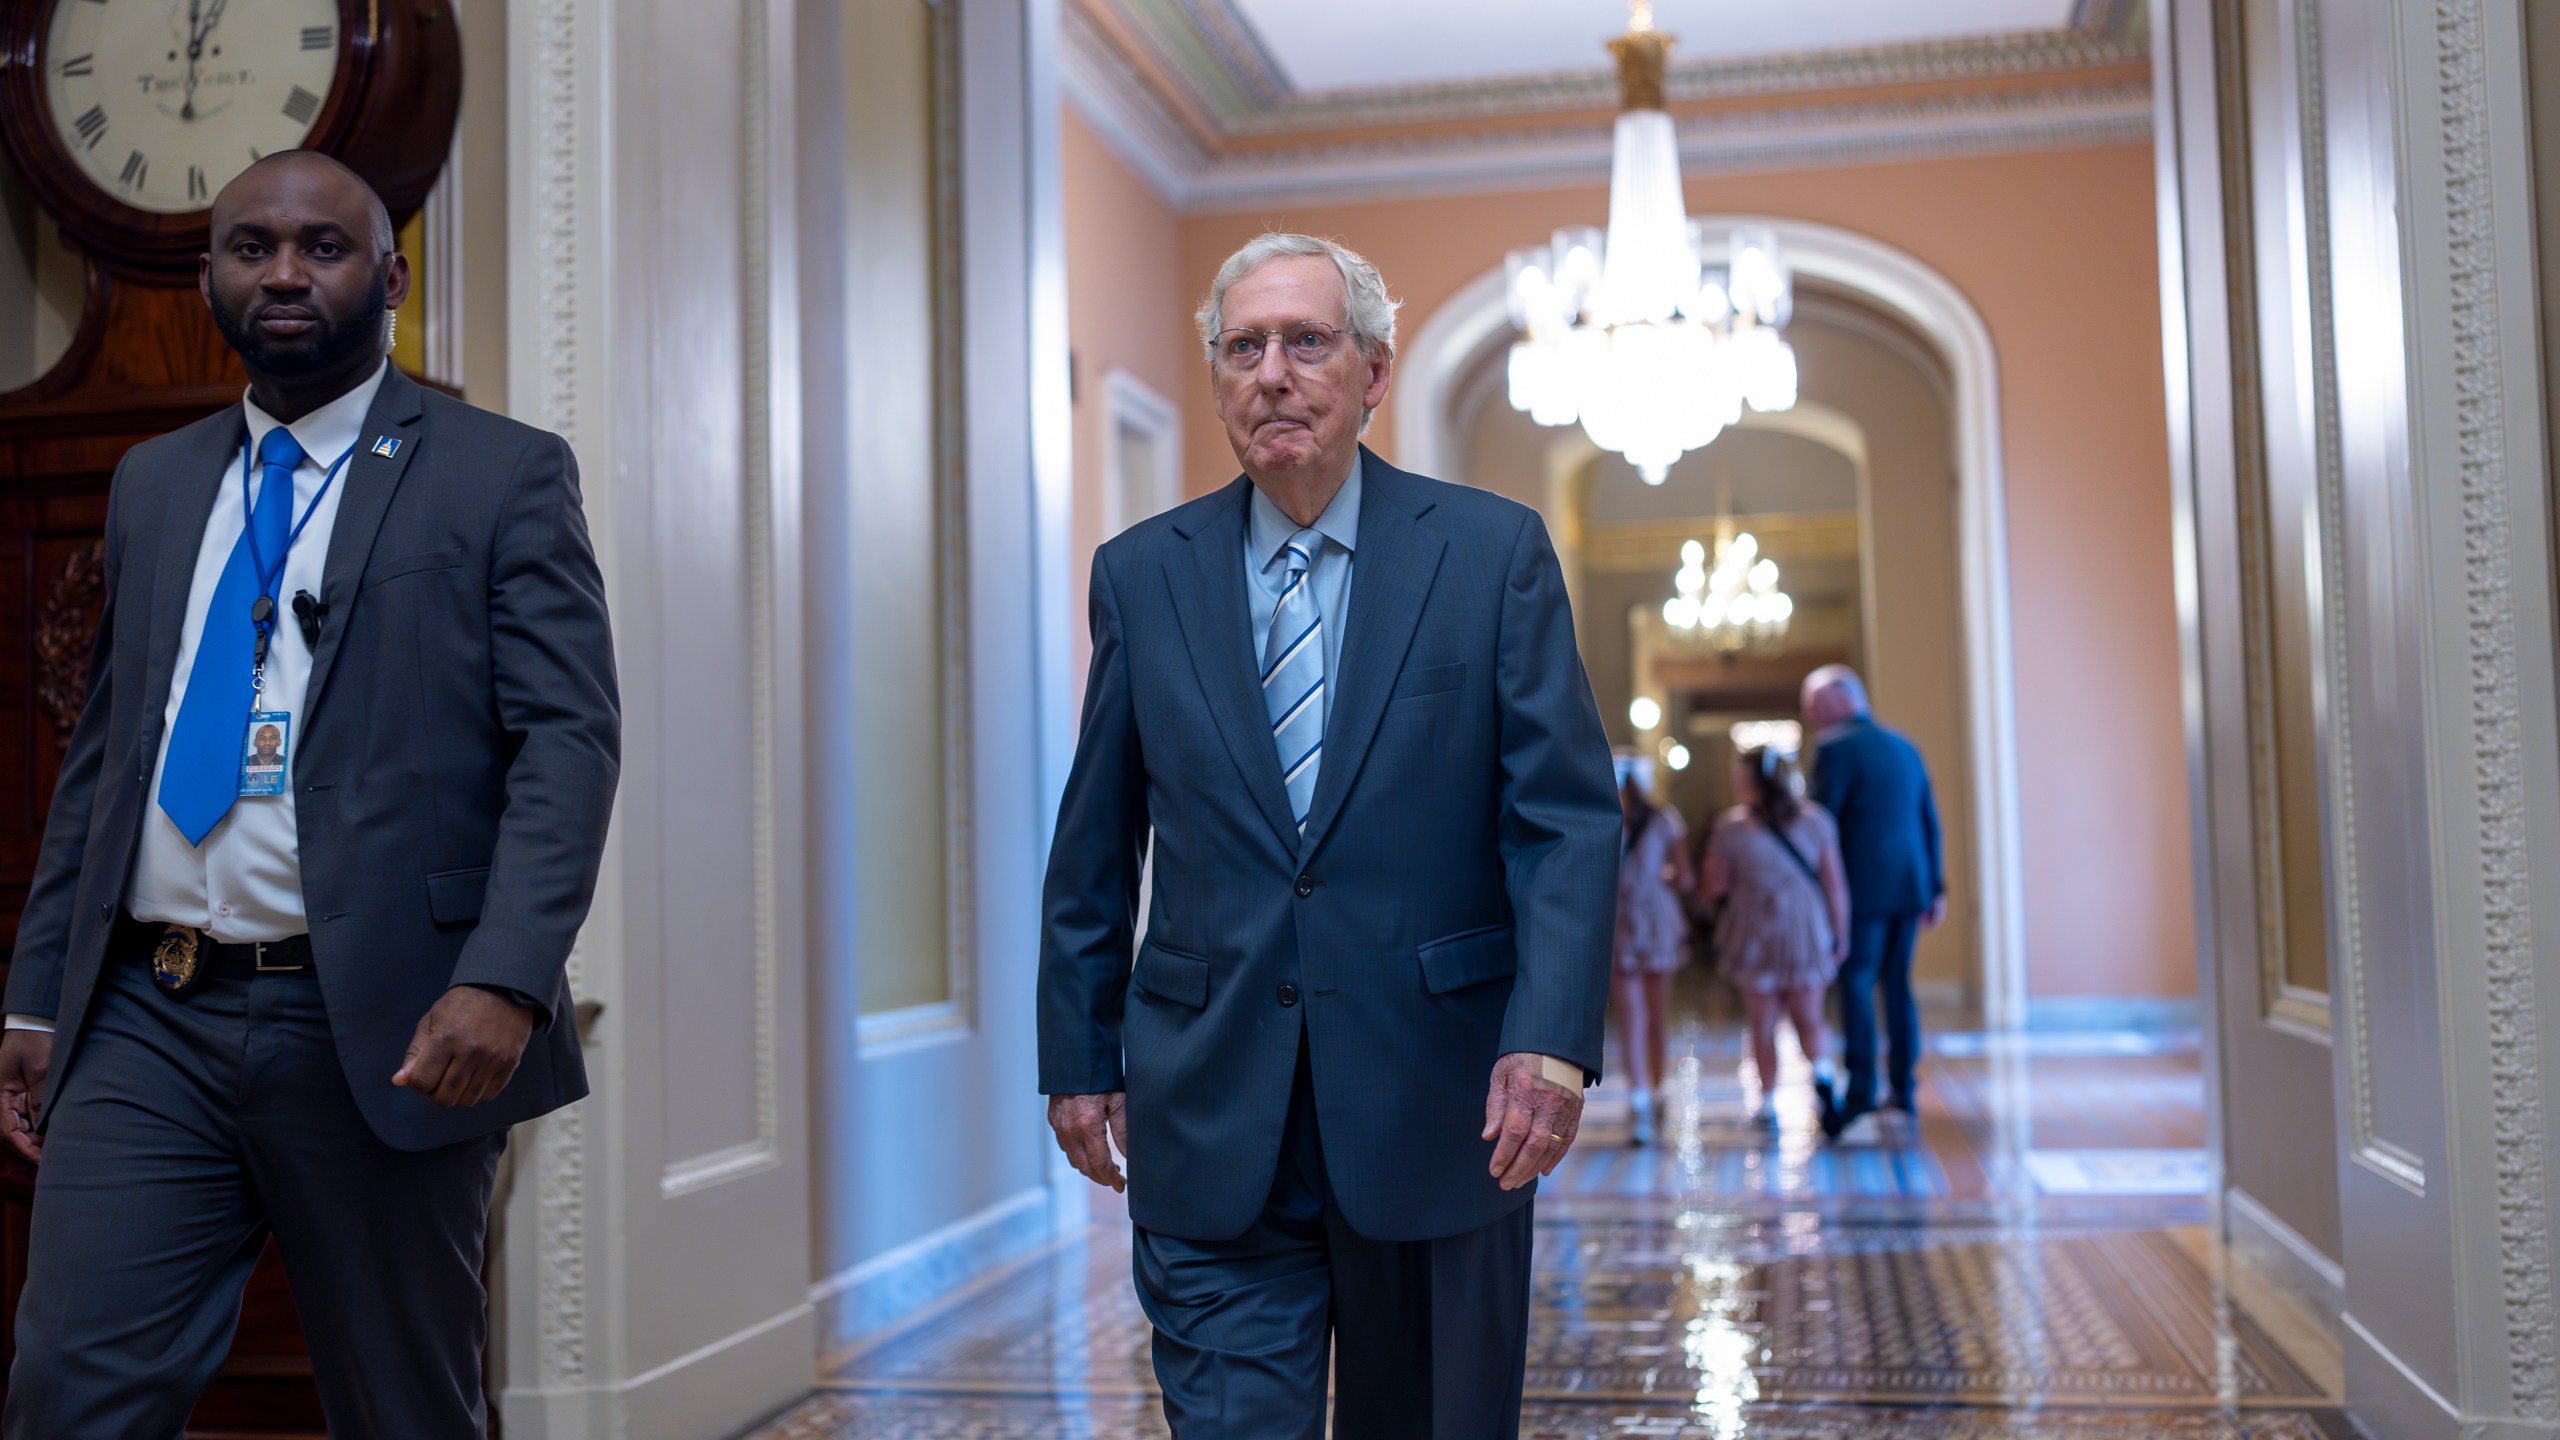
x: 179, y: 954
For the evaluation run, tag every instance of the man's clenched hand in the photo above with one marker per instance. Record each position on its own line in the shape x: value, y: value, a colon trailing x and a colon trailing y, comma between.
x: 26, y: 1062
x: 1088, y: 1126
x: 1535, y: 1118
x: 466, y: 1048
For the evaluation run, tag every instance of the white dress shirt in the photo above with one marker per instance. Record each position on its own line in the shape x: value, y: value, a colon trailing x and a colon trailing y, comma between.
x: 244, y: 883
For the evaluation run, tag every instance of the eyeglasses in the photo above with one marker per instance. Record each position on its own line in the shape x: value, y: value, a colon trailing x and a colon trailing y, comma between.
x: 1308, y: 344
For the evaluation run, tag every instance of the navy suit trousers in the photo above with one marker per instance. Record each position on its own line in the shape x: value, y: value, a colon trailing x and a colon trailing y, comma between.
x: 195, y: 1126
x: 1430, y: 1337
x: 1880, y: 948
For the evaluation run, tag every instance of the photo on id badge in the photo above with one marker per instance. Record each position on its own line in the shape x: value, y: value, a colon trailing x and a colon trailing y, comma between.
x: 262, y: 755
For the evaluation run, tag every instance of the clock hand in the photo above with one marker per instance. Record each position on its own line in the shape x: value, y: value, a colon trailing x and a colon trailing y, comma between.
x: 195, y: 48
x: 203, y: 28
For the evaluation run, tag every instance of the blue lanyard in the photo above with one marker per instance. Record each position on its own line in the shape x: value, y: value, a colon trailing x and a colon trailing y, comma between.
x: 248, y: 505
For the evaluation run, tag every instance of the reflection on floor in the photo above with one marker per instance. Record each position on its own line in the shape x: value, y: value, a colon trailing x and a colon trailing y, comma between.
x: 2030, y: 1260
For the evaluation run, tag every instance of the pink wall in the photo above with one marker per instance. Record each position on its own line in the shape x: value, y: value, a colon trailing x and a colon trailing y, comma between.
x: 2056, y: 251
x: 1128, y: 307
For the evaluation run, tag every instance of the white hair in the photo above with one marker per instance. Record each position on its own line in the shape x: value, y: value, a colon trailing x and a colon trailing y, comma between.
x: 1371, y: 314
x: 1840, y: 678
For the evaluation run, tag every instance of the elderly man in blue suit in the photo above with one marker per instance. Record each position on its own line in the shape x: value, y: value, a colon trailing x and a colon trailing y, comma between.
x: 1341, y: 707
x: 1876, y: 787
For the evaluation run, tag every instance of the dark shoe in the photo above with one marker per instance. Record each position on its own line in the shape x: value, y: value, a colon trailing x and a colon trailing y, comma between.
x: 1829, y: 1101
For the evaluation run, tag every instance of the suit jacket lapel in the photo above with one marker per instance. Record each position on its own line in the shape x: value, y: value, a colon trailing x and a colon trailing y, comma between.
x: 370, y: 480
x: 1390, y: 576
x: 181, y: 505
x: 1207, y: 579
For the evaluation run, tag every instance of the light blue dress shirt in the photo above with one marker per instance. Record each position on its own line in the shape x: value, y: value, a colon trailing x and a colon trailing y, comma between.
x: 1266, y: 573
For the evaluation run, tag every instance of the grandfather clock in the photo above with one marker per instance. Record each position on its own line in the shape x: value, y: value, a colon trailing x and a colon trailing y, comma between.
x: 125, y: 117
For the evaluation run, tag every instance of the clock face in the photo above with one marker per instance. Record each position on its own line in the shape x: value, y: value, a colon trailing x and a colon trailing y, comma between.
x: 162, y: 102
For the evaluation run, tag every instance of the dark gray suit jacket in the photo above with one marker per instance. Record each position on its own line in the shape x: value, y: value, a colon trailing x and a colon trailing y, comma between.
x: 461, y: 740
x: 1450, y: 902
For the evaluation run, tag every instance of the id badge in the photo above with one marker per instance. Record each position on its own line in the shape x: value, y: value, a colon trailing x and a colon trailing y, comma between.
x: 263, y: 752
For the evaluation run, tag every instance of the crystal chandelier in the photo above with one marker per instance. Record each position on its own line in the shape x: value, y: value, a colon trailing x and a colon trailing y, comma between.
x: 1734, y: 607
x: 1634, y: 335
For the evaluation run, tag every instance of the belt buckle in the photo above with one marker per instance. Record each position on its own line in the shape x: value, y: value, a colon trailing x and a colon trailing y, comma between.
x: 266, y: 969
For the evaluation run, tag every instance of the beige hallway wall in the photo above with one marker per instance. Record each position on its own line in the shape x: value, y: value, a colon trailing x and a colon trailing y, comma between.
x: 2057, y: 252
x: 1127, y: 309
x: 1914, y: 640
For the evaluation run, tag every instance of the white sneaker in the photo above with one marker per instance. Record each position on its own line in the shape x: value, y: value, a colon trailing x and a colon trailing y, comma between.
x: 1640, y: 1119
x: 1765, y: 1116
x: 1867, y: 1129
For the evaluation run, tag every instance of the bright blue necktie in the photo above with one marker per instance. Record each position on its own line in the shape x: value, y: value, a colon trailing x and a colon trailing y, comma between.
x: 202, y: 774
x: 1293, y: 677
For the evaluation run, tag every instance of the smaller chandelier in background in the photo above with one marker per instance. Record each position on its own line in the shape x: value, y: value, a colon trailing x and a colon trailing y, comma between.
x: 1784, y: 736
x: 1735, y: 607
x: 1633, y: 333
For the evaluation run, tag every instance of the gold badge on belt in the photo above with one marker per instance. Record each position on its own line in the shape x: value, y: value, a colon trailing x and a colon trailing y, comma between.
x: 173, y: 961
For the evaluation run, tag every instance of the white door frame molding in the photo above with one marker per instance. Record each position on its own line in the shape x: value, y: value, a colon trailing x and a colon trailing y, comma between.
x: 1458, y: 335
x: 1128, y: 400
x: 656, y: 1242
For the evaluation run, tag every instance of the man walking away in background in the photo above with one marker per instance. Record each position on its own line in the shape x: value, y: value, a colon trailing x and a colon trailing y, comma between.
x: 1876, y: 786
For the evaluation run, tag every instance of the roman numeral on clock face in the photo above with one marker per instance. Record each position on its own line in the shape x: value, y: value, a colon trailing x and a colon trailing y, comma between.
x: 135, y: 167
x: 81, y: 64
x: 92, y: 126
x: 319, y: 37
x: 301, y: 105
x: 196, y: 185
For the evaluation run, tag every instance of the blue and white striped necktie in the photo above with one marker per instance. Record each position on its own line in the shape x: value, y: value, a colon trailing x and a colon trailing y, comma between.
x: 1293, y: 677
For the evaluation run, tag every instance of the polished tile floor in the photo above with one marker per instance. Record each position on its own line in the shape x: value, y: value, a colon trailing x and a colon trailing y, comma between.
x: 2029, y: 1263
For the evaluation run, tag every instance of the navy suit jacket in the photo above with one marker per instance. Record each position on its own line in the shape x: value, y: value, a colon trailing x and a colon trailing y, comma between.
x: 1450, y: 902
x: 1876, y: 786
x: 461, y: 740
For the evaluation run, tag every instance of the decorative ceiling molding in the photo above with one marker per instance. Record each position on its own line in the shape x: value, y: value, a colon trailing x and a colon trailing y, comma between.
x: 1186, y: 94
x: 2108, y: 17
x: 1194, y: 179
x: 1207, y: 52
x: 1131, y: 116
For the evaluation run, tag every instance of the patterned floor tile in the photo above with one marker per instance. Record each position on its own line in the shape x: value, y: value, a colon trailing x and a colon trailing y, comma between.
x: 1635, y: 1310
x: 1730, y: 1283
x: 849, y: 1416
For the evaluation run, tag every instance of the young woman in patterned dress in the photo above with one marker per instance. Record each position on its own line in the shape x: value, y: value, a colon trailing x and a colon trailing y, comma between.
x: 1774, y: 865
x: 1652, y: 940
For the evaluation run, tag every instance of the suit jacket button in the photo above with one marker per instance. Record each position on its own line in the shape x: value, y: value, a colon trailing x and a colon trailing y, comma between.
x: 1288, y: 996
x: 1306, y: 887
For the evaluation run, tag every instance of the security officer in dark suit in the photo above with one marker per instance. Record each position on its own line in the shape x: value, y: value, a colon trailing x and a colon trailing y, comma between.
x: 1876, y: 787
x: 306, y: 1004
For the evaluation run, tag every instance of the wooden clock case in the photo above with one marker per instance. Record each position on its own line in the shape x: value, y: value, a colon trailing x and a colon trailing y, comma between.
x: 145, y: 359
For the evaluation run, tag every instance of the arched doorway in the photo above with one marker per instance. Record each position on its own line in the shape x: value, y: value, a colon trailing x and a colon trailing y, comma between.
x: 1449, y: 351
